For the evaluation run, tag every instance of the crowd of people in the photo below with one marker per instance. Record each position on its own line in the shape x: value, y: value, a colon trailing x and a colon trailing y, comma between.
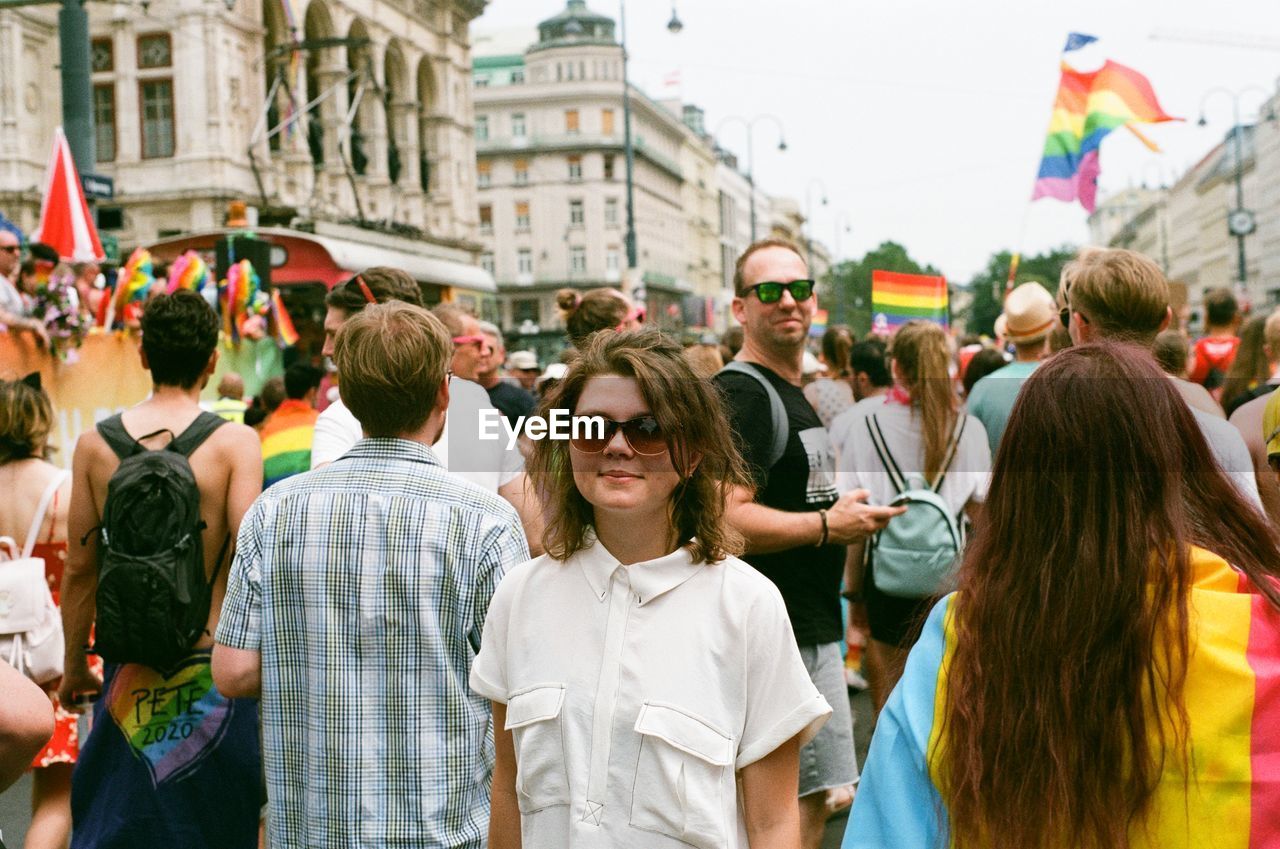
x: 377, y: 627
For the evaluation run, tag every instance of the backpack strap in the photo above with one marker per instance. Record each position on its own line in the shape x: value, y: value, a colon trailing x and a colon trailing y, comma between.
x: 196, y: 433
x: 952, y: 448
x: 777, y: 410
x: 41, y: 509
x: 886, y: 458
x: 113, y: 433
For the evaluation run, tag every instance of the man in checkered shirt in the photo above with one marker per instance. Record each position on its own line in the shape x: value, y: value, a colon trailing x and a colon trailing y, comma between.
x: 354, y: 608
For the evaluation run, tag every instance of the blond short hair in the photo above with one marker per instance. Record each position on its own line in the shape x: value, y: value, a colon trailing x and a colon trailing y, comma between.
x: 393, y: 359
x: 1122, y: 293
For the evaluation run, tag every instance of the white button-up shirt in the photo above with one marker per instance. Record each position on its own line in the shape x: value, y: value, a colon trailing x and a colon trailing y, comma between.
x: 635, y: 693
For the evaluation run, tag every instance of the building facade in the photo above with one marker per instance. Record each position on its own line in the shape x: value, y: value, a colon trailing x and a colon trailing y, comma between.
x: 352, y: 113
x: 551, y: 177
x: 1184, y: 226
x: 551, y: 183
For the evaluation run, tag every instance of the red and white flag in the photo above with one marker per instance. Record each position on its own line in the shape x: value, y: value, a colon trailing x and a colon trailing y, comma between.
x: 65, y: 222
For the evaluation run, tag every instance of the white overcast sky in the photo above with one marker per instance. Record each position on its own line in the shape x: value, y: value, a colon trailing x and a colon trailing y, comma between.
x: 924, y: 121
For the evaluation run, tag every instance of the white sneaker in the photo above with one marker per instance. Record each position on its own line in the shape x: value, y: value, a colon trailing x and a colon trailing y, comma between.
x: 853, y: 679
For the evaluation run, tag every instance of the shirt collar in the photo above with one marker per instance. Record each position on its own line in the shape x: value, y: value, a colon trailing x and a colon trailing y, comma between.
x: 649, y: 578
x: 393, y: 448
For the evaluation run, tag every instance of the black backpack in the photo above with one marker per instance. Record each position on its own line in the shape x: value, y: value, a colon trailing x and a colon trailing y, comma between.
x: 153, y: 599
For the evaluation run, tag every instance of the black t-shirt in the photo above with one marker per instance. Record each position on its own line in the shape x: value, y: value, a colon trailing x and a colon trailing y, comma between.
x: 803, y: 480
x: 511, y: 400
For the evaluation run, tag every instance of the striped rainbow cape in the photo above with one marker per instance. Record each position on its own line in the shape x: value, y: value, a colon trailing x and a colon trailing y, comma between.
x: 287, y: 435
x: 1232, y: 696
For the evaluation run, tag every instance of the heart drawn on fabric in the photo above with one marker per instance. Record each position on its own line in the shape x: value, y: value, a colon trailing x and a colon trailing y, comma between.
x: 171, y: 721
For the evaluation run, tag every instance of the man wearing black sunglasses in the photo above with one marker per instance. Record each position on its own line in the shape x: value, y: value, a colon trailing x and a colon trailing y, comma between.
x: 795, y: 522
x: 11, y: 305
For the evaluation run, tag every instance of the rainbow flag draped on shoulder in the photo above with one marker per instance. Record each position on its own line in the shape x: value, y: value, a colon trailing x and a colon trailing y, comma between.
x: 898, y: 298
x: 1089, y: 105
x: 1231, y: 797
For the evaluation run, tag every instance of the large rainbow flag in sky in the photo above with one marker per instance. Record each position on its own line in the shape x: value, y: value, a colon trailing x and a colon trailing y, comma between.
x: 1088, y: 107
x: 1231, y: 797
x: 897, y: 298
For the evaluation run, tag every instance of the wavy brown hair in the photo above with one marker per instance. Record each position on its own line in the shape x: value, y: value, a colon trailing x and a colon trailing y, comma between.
x: 690, y: 413
x: 1071, y: 625
x: 26, y: 419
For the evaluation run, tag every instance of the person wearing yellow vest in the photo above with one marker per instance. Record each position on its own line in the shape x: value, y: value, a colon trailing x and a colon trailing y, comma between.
x: 230, y: 404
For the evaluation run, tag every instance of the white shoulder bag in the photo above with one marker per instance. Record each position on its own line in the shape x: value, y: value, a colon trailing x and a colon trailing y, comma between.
x: 30, y: 626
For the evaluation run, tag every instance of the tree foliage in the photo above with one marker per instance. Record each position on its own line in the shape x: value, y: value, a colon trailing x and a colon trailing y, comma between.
x: 988, y: 285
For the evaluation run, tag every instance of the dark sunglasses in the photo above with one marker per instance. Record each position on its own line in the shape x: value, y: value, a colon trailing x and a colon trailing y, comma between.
x: 644, y: 435
x: 13, y: 249
x: 481, y: 342
x: 771, y: 293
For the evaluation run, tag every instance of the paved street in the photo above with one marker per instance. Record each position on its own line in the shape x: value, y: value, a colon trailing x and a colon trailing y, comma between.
x: 15, y: 803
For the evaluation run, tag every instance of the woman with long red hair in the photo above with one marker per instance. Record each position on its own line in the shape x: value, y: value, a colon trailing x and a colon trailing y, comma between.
x: 1108, y: 674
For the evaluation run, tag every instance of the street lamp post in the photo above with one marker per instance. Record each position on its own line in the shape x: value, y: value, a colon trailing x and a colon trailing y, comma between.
x: 750, y: 124
x: 842, y: 225
x: 674, y: 27
x: 1240, y: 221
x: 808, y: 218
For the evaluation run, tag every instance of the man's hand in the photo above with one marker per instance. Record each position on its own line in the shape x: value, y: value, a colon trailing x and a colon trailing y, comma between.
x: 851, y: 518
x: 37, y: 328
x: 77, y: 680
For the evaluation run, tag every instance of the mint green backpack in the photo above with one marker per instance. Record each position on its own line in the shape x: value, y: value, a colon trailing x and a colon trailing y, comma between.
x: 916, y: 554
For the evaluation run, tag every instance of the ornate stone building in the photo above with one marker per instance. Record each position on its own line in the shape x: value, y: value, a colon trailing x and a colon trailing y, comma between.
x: 341, y: 116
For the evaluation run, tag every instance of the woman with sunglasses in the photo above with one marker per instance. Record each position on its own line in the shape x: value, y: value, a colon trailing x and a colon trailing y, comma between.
x: 597, y: 309
x: 646, y: 687
x: 1108, y: 674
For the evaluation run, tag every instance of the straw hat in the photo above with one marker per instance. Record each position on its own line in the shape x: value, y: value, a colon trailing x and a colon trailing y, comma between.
x: 522, y: 361
x: 1029, y: 313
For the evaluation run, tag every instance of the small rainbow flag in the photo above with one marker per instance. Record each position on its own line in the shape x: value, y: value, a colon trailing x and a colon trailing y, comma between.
x: 1087, y: 108
x: 818, y: 326
x: 135, y: 280
x: 188, y: 271
x: 898, y: 298
x: 286, y: 334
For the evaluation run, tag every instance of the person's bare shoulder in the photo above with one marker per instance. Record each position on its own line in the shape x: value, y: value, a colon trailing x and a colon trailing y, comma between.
x: 92, y: 452
x: 235, y: 443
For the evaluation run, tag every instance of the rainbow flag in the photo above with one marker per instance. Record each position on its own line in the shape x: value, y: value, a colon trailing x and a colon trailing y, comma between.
x: 818, y: 326
x: 134, y: 281
x: 286, y: 441
x: 1088, y: 107
x: 1229, y: 800
x: 286, y: 333
x: 188, y: 271
x: 897, y: 298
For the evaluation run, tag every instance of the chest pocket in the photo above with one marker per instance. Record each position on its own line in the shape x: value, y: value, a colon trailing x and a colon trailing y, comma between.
x: 533, y: 717
x: 681, y: 774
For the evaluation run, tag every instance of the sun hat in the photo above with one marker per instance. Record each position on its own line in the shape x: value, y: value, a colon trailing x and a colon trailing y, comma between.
x: 1029, y: 313
x: 522, y: 361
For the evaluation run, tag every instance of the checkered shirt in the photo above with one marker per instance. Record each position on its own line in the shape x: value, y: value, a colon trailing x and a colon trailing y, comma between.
x: 364, y: 585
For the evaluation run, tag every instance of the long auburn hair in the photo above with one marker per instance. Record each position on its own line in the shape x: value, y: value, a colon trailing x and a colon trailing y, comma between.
x: 1250, y: 366
x: 688, y: 410
x: 1071, y: 624
x: 921, y: 352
